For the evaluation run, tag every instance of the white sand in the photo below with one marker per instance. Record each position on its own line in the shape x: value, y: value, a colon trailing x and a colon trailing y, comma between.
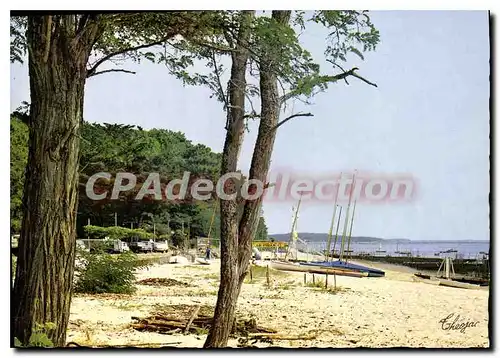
x: 392, y: 311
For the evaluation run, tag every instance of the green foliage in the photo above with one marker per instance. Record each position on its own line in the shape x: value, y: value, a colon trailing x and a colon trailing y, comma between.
x: 261, y: 234
x: 350, y: 32
x: 116, y: 232
x: 113, y: 148
x: 18, y: 45
x: 130, y: 30
x: 105, y: 273
x: 165, y: 237
x: 300, y: 76
x: 120, y: 148
x: 318, y: 283
x: 39, y: 337
x: 134, y: 36
x: 18, y: 159
x: 179, y: 238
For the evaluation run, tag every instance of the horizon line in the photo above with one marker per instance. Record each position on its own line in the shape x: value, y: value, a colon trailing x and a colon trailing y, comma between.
x: 380, y: 238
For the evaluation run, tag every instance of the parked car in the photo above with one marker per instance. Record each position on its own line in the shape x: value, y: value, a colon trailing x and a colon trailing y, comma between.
x: 160, y: 246
x: 141, y: 246
x: 108, y: 245
x: 120, y: 246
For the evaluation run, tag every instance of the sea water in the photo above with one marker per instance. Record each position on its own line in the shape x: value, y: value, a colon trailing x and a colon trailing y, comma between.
x: 465, y: 249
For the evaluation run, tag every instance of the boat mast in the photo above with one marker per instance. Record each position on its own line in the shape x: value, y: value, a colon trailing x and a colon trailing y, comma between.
x: 329, y: 242
x: 350, y: 229
x: 292, y: 242
x: 330, y: 232
x: 337, y: 231
x: 342, y: 245
x: 212, y: 222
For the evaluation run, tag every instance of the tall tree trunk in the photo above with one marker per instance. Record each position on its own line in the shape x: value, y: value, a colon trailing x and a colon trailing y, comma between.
x: 228, y: 291
x: 236, y: 236
x: 44, y: 276
x: 263, y: 149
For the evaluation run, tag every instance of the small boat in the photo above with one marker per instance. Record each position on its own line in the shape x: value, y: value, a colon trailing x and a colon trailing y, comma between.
x: 285, y: 266
x: 421, y: 275
x: 404, y: 253
x: 380, y: 249
x: 451, y: 283
x: 441, y: 281
x: 473, y: 280
x: 344, y: 265
x: 203, y: 261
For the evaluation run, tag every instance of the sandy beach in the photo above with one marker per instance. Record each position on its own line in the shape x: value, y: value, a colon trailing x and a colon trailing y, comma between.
x: 392, y: 311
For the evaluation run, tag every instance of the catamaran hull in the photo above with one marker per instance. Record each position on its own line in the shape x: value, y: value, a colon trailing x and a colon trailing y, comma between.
x: 342, y: 265
x: 283, y: 266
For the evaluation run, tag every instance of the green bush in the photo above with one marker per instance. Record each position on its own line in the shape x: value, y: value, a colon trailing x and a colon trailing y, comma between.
x: 179, y: 239
x: 106, y: 273
x: 38, y: 337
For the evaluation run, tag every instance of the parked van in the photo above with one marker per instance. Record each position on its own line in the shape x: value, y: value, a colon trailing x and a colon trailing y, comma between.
x: 138, y: 246
x: 106, y: 244
x: 160, y: 246
x: 120, y: 246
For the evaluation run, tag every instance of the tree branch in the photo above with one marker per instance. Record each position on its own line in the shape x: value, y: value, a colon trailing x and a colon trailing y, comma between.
x: 288, y: 118
x: 364, y: 80
x: 215, y: 47
x: 251, y: 115
x: 112, y: 70
x: 219, y: 83
x: 91, y: 71
x: 81, y: 24
x: 228, y: 38
x: 345, y: 74
x: 327, y: 79
x: 336, y: 64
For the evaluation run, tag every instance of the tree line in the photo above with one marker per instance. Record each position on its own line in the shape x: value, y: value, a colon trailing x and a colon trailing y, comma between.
x: 114, y: 148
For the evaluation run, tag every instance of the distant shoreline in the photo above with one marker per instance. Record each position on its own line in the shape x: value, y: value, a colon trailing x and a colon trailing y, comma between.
x: 319, y: 237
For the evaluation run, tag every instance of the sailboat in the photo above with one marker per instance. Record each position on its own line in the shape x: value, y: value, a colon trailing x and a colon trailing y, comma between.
x: 380, y: 251
x: 294, y: 236
x: 292, y: 252
x: 342, y: 263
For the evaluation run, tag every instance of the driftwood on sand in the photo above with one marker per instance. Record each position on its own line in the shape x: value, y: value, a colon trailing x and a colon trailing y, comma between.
x: 194, y: 323
x: 132, y: 345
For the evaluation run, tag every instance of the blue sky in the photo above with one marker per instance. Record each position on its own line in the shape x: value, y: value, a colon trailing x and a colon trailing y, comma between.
x: 428, y: 117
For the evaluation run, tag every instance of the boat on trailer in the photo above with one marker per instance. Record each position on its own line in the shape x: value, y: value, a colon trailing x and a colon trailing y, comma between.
x: 295, y: 267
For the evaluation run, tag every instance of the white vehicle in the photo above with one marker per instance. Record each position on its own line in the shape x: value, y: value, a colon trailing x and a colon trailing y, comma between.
x: 160, y: 246
x: 113, y: 246
x: 139, y: 246
x: 81, y: 245
x: 120, y: 246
